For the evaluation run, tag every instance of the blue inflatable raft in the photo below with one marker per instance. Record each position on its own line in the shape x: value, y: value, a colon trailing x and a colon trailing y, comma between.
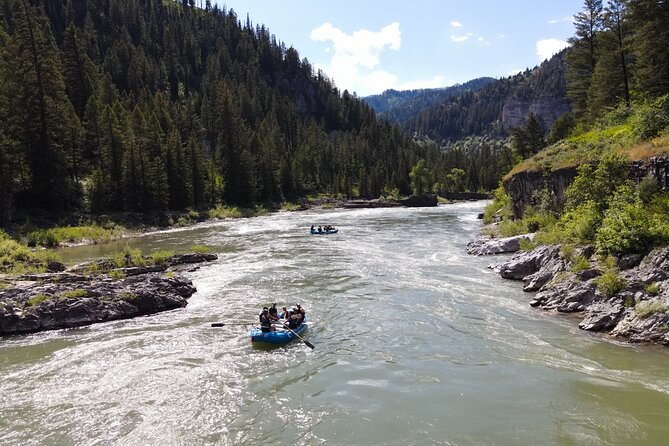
x: 332, y: 231
x: 279, y: 337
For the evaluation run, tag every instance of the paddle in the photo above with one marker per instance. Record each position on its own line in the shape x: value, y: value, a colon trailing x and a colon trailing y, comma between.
x: 308, y: 344
x: 223, y: 324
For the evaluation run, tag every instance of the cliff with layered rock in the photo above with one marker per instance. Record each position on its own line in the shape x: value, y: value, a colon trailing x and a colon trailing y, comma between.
x: 525, y: 185
x: 548, y: 108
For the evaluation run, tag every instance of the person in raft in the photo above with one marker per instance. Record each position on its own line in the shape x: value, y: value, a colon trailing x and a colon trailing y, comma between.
x: 265, y: 322
x: 296, y: 317
x: 273, y: 313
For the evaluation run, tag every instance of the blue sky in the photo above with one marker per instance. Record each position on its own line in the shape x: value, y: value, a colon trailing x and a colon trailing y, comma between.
x: 368, y: 46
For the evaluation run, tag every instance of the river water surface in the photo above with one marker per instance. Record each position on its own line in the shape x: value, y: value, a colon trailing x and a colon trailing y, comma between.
x: 417, y: 343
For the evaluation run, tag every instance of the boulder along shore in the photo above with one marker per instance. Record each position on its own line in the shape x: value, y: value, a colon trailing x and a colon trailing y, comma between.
x: 83, y: 295
x: 635, y: 309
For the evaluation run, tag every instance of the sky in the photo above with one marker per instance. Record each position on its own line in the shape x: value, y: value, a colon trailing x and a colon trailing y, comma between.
x: 369, y: 46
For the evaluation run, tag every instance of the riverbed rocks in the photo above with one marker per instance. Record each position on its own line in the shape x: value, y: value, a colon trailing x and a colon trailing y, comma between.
x: 484, y: 245
x: 638, y: 312
x: 68, y: 299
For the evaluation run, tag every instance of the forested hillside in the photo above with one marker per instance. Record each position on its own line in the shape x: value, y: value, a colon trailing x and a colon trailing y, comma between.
x: 606, y: 183
x: 138, y: 105
x: 399, y: 106
x: 481, y: 112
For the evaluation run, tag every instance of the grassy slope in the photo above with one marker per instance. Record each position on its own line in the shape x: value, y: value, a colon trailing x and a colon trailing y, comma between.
x: 638, y: 133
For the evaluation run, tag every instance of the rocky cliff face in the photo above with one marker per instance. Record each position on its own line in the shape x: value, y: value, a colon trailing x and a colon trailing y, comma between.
x: 548, y: 108
x: 524, y: 187
x: 658, y: 166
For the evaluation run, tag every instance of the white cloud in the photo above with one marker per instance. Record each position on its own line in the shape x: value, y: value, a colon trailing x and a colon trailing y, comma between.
x: 563, y: 19
x: 435, y: 82
x: 363, y: 47
x: 357, y: 53
x: 456, y: 24
x: 546, y: 48
x: 502, y: 36
x: 355, y: 60
x: 462, y: 38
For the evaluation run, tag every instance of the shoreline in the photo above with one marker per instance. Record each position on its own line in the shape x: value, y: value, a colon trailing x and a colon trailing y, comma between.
x: 144, y: 224
x: 628, y: 301
x: 96, y: 292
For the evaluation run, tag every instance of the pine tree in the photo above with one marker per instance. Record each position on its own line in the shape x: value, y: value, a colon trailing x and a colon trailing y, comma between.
x: 650, y: 19
x: 582, y: 56
x: 48, y: 124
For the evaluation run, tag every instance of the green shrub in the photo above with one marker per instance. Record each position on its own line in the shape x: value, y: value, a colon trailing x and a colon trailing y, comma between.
x: 527, y: 244
x: 580, y: 264
x: 93, y: 268
x: 610, y: 283
x: 222, y: 212
x: 285, y: 206
x: 161, y: 257
x: 53, y: 237
x: 128, y: 257
x: 598, y: 183
x: 117, y: 274
x: 37, y: 299
x: 629, y: 302
x: 501, y: 202
x: 579, y: 226
x: 649, y: 307
x: 125, y: 295
x: 200, y: 249
x: 74, y: 294
x: 46, y: 238
x: 182, y: 221
x: 647, y: 188
x: 509, y: 228
x: 651, y: 118
x: 628, y: 227
x: 17, y: 258
x: 652, y: 289
x: 567, y: 252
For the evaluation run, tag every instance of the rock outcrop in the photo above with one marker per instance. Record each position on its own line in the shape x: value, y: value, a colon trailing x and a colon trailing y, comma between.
x: 639, y: 312
x: 547, y: 108
x: 420, y: 201
x: 484, y: 246
x: 525, y: 185
x: 71, y: 299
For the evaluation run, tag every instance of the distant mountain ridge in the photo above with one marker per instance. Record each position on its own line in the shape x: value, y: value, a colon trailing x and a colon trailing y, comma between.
x: 481, y: 107
x: 399, y: 106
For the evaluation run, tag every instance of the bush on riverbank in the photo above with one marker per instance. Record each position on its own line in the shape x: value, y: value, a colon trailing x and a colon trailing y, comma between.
x: 222, y: 212
x: 17, y: 258
x: 54, y: 237
x: 603, y: 209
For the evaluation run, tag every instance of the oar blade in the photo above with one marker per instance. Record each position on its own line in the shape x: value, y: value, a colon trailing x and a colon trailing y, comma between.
x: 218, y: 324
x: 309, y: 344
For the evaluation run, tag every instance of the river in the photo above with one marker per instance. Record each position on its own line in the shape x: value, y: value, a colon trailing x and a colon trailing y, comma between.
x: 417, y: 343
